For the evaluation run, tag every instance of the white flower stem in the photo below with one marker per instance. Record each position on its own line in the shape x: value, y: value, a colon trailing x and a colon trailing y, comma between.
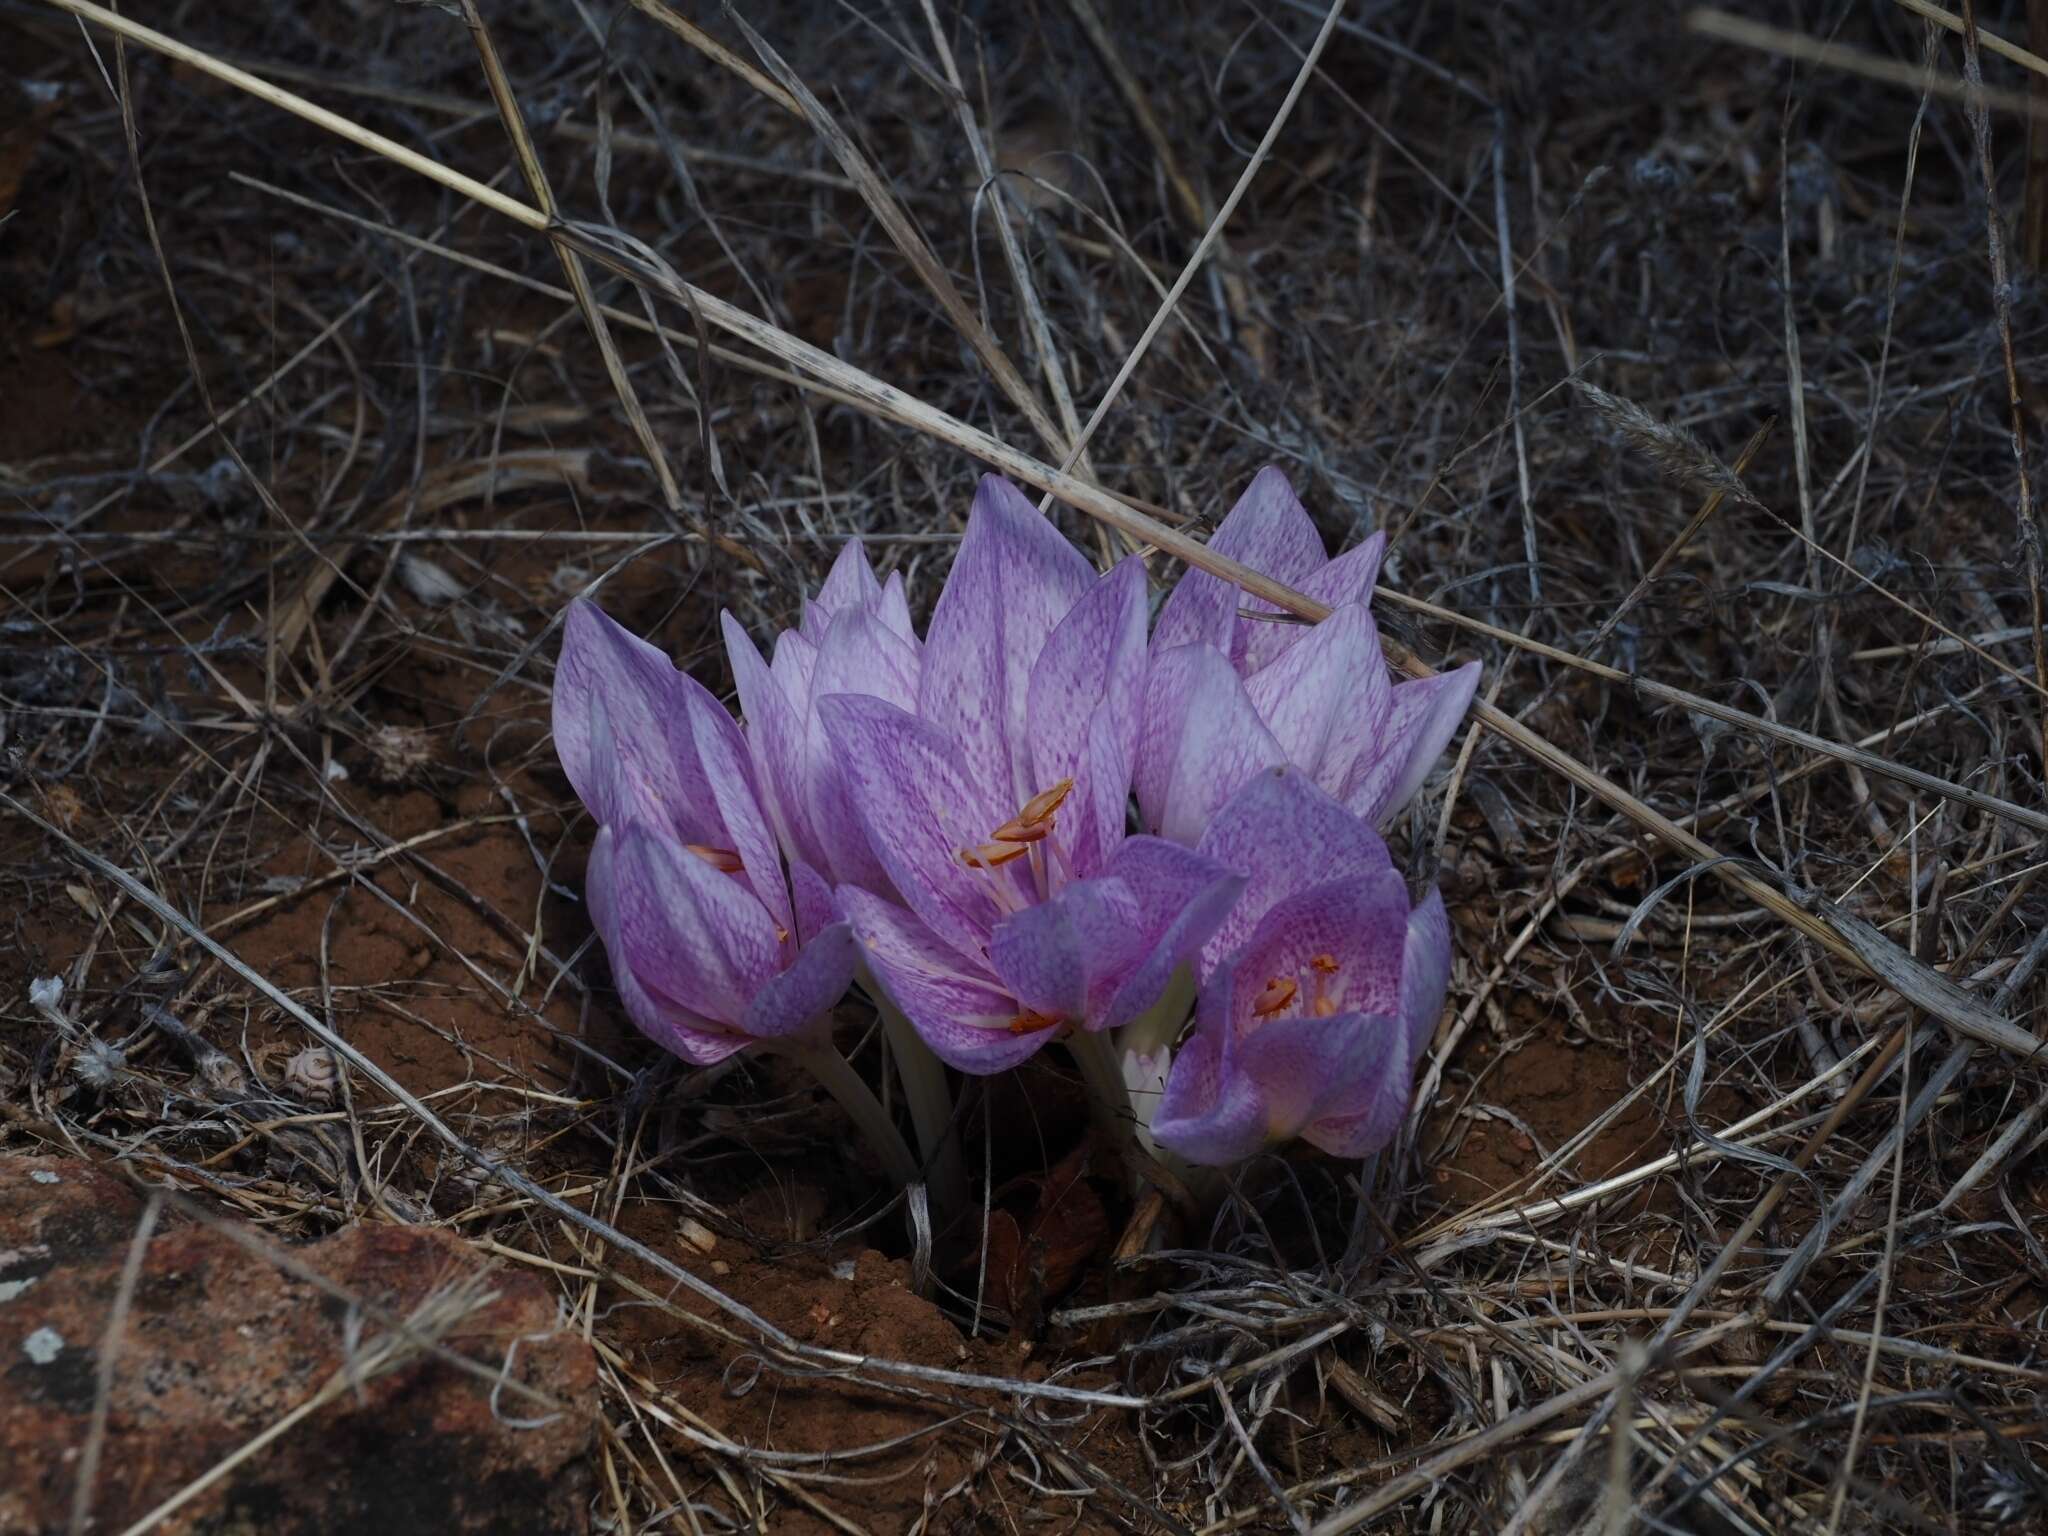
x: 837, y: 1077
x: 930, y: 1101
x: 1161, y: 1024
x: 1119, y: 1102
x: 1099, y: 1057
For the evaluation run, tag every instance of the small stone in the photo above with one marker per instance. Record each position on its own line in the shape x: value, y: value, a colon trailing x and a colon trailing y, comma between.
x: 311, y: 1074
x: 44, y: 1176
x: 43, y: 1346
x: 397, y: 752
x: 696, y: 1234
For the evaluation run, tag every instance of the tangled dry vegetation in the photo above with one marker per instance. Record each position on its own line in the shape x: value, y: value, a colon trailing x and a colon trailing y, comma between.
x: 1678, y: 373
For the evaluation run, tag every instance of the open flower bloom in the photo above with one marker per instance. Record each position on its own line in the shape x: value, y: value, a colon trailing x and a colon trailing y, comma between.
x: 854, y: 638
x: 1232, y: 692
x: 1320, y: 992
x: 996, y: 807
x: 713, y: 945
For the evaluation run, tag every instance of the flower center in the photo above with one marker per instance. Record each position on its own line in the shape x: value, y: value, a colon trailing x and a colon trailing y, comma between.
x: 1281, y: 993
x: 1013, y: 839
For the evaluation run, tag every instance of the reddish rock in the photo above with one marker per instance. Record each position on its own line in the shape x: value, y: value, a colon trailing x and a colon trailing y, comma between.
x: 220, y: 1345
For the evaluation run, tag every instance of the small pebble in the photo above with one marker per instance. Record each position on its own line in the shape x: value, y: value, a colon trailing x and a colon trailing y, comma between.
x: 311, y: 1074
x: 43, y: 1346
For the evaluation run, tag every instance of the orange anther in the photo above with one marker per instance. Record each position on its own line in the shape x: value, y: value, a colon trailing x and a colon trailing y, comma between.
x: 1022, y: 831
x: 990, y: 855
x: 1029, y: 1021
x: 1326, y: 964
x: 724, y: 860
x: 1041, y: 805
x: 1275, y: 995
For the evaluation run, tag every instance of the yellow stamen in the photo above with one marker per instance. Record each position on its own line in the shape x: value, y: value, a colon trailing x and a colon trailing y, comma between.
x: 1028, y: 1021
x: 1041, y: 805
x: 724, y: 860
x: 992, y: 855
x: 1274, y: 996
x: 1022, y: 831
x: 1030, y: 825
x: 1327, y: 964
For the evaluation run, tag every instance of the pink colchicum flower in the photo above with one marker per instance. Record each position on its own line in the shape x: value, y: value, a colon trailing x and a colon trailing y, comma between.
x: 1231, y: 694
x: 855, y: 638
x: 713, y: 946
x: 1319, y: 993
x: 997, y: 807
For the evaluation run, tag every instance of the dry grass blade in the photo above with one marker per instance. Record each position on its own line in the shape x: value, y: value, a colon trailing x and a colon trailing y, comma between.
x: 1711, y: 22
x: 1210, y: 236
x: 104, y: 1367
x: 2027, y: 518
x: 1071, y: 442
x: 1194, y: 206
x: 1399, y: 1490
x: 536, y: 177
x: 1504, y: 250
x: 1693, y: 703
x: 718, y: 53
x: 1991, y: 40
x: 333, y: 122
x: 1049, y: 362
x: 465, y: 109
x: 1840, y: 932
x: 908, y: 239
x: 616, y: 316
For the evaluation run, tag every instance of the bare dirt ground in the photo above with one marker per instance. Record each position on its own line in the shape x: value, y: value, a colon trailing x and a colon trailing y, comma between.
x: 303, y: 454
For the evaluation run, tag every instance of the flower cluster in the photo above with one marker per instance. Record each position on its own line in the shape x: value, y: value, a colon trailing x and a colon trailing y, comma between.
x: 1037, y: 823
